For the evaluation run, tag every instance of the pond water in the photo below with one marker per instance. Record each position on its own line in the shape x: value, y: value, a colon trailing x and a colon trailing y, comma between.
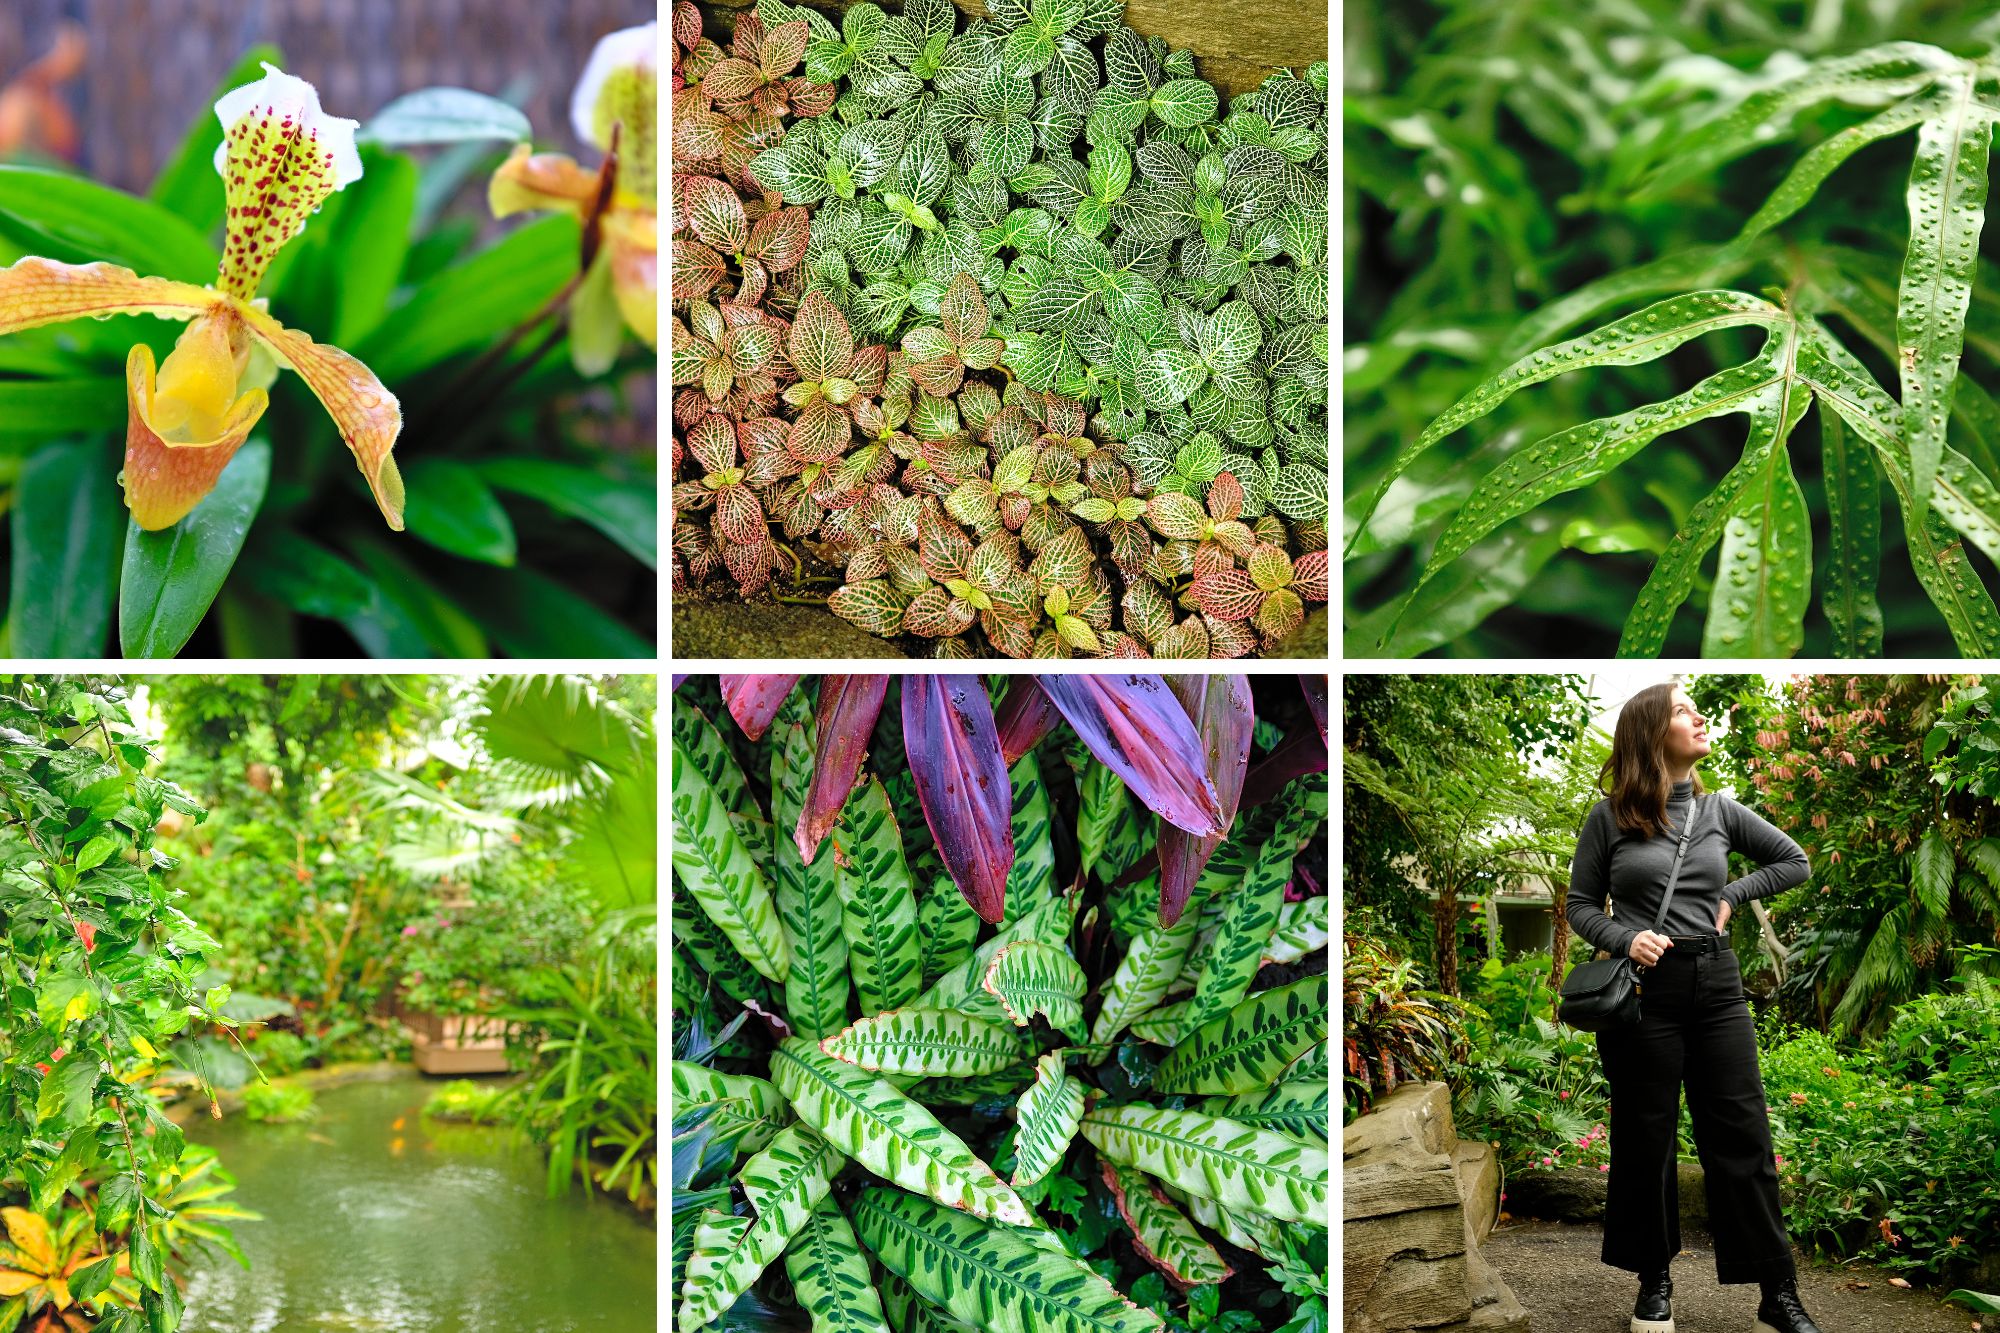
x: 378, y: 1221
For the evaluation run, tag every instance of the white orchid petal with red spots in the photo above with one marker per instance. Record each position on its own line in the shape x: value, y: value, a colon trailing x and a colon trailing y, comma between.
x: 280, y: 157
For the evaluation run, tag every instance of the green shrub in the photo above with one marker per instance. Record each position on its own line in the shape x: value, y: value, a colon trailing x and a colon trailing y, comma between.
x: 279, y: 1053
x: 279, y: 1103
x: 462, y: 1099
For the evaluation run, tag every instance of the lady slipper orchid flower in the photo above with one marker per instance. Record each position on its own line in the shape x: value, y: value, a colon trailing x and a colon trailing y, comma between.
x: 614, y: 105
x: 280, y: 158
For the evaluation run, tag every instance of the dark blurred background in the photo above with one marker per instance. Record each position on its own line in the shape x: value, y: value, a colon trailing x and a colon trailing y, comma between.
x: 148, y: 67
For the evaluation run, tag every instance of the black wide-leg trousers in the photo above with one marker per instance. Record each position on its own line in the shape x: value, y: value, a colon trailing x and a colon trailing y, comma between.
x: 1695, y: 1031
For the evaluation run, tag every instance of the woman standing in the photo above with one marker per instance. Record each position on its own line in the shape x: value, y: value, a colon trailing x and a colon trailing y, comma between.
x: 1695, y: 1028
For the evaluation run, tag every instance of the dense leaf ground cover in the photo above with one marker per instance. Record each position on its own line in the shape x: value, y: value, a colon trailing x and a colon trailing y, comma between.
x: 1874, y: 981
x: 1729, y: 212
x: 1104, y: 1109
x: 1008, y: 338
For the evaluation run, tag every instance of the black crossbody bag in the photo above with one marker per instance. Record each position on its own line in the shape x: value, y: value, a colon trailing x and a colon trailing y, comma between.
x: 1603, y: 993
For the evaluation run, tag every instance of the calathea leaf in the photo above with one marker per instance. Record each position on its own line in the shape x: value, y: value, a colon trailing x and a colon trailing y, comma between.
x: 1161, y: 1232
x: 878, y: 907
x: 1295, y: 1109
x: 808, y: 897
x: 830, y: 1274
x: 995, y: 1279
x: 1047, y: 1114
x: 1029, y: 977
x: 746, y: 1099
x: 959, y: 988
x: 1252, y: 912
x: 1237, y: 1166
x: 721, y: 873
x: 1145, y: 973
x: 783, y: 1183
x: 1249, y: 1046
x: 893, y: 1136
x: 925, y: 1041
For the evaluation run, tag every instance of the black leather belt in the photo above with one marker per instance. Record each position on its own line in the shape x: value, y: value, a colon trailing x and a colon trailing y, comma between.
x: 1698, y: 944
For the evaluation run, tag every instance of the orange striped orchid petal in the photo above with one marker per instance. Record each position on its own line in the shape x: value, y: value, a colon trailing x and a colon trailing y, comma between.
x: 186, y: 423
x: 368, y: 415
x: 529, y: 182
x: 36, y: 291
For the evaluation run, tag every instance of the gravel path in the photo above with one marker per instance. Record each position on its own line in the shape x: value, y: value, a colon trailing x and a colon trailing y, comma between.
x: 1554, y: 1269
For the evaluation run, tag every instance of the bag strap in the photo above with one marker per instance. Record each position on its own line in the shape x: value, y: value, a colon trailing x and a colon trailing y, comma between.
x: 1696, y: 806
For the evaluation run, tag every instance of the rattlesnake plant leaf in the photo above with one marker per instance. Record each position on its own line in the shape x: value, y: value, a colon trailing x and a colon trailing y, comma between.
x: 1249, y: 1046
x: 1237, y: 1166
x: 1295, y: 1109
x: 995, y: 1279
x: 878, y: 906
x: 926, y: 1041
x: 1947, y: 199
x: 911, y: 1313
x: 1144, y: 975
x: 1032, y: 878
x: 893, y: 1136
x: 746, y: 1100
x: 1048, y: 921
x: 783, y: 1183
x: 1634, y: 340
x: 1048, y: 1113
x: 1854, y: 515
x: 1164, y: 1026
x: 1302, y: 929
x: 1313, y: 1066
x: 720, y: 872
x: 1247, y: 1231
x: 808, y: 897
x: 830, y: 1274
x: 713, y: 953
x: 1161, y: 1233
x: 946, y: 928
x: 703, y: 744
x: 1250, y: 915
x: 1030, y: 977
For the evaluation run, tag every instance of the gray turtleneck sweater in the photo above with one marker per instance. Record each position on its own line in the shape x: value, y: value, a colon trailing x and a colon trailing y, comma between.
x: 1630, y: 870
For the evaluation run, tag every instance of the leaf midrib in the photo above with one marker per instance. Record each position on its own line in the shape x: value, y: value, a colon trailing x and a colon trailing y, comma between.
x: 1195, y: 1068
x: 1249, y: 1164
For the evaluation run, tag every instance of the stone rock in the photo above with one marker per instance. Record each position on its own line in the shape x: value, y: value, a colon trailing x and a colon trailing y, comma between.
x: 738, y: 630
x: 1557, y: 1196
x: 1478, y: 1168
x: 1410, y: 1255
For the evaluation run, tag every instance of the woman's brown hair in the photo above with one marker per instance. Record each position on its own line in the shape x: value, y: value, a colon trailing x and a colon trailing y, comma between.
x: 1635, y: 776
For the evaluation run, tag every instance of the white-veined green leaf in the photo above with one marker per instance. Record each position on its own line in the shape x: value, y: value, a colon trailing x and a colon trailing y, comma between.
x: 997, y: 1280
x: 1185, y: 103
x: 1047, y: 1115
x: 1236, y: 1165
x: 893, y: 1136
x: 1249, y: 1046
x: 926, y: 1041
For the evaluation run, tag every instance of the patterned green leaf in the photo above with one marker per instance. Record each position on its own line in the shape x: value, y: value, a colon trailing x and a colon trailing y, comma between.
x: 1303, y: 928
x: 1758, y: 608
x: 1047, y: 1113
x: 1164, y: 1026
x: 1169, y: 376
x: 721, y: 873
x: 1185, y: 103
x: 890, y: 1134
x: 1854, y: 515
x: 911, y: 1313
x: 1251, y: 914
x: 946, y: 928
x: 751, y: 1100
x: 830, y: 1275
x: 715, y: 955
x: 1231, y: 335
x: 1144, y: 974
x: 1030, y: 977
x: 1313, y: 1066
x: 1247, y: 1231
x: 1947, y: 199
x: 926, y: 1041
x: 1161, y: 1232
x: 878, y: 908
x: 1634, y: 340
x: 960, y: 988
x: 1237, y: 1166
x: 997, y: 1280
x: 1251, y: 1044
x: 807, y: 896
x: 784, y: 1183
x: 1032, y: 877
x: 1297, y: 1110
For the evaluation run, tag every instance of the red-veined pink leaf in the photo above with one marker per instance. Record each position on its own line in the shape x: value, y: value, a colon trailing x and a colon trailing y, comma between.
x: 1137, y: 728
x: 1228, y: 594
x: 754, y: 700
x: 1223, y: 717
x: 696, y: 269
x: 1309, y: 576
x: 780, y: 238
x: 848, y: 707
x: 874, y: 605
x: 1025, y: 716
x: 717, y: 214
x: 961, y: 781
x: 784, y: 47
x: 733, y: 81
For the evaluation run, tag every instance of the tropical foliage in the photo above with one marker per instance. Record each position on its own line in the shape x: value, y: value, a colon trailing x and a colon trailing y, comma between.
x: 934, y: 1124
x: 1030, y: 298
x: 1819, y: 187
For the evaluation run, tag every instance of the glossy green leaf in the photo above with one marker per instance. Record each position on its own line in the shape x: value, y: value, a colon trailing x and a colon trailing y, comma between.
x: 78, y: 221
x: 1047, y: 1113
x: 67, y: 521
x: 721, y: 873
x: 925, y: 1041
x: 170, y: 577
x: 750, y: 1101
x: 784, y: 1183
x: 625, y: 511
x: 830, y: 1275
x: 446, y: 115
x: 993, y: 1278
x: 1819, y: 162
x: 1854, y: 514
x: 878, y: 908
x: 414, y: 593
x: 1235, y: 1165
x: 1249, y: 1046
x: 1031, y: 977
x: 1161, y: 1233
x: 1764, y: 580
x: 302, y: 574
x: 890, y: 1134
x: 62, y: 406
x: 1295, y: 1109
x: 452, y: 508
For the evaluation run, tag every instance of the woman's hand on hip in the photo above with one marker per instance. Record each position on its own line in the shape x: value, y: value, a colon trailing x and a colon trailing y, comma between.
x: 1648, y: 947
x: 1722, y: 919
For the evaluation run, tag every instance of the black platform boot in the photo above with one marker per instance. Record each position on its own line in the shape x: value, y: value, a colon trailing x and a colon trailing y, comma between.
x: 1653, y: 1312
x: 1781, y: 1311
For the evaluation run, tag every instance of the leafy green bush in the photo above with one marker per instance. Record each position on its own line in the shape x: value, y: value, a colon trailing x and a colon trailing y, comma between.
x: 443, y: 344
x: 462, y: 1099
x: 279, y: 1103
x: 1000, y: 1137
x: 1530, y: 1086
x: 279, y: 1052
